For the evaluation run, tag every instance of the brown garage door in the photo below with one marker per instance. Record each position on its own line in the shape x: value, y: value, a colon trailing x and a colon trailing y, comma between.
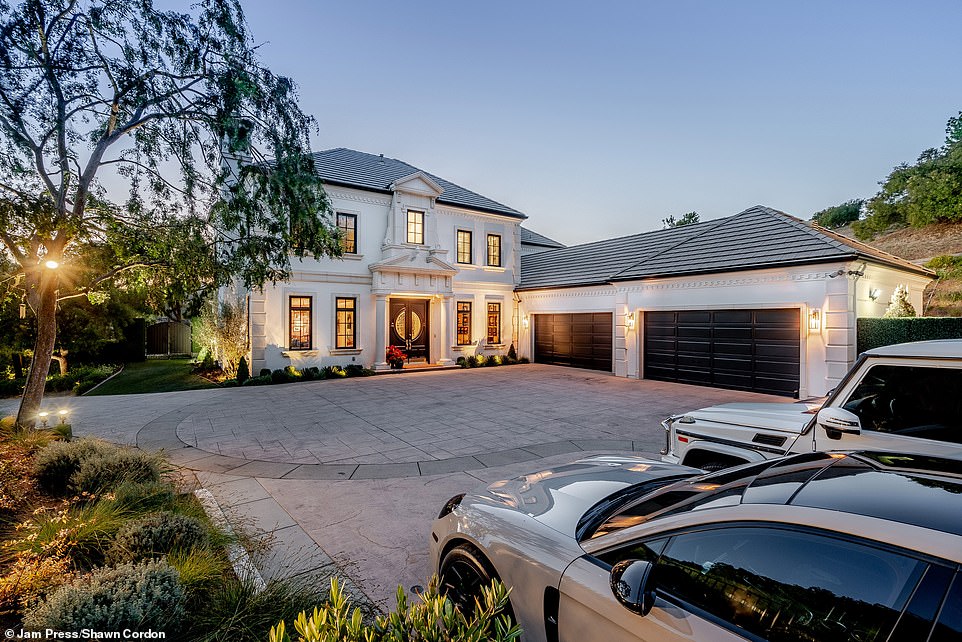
x: 579, y: 340
x: 740, y: 349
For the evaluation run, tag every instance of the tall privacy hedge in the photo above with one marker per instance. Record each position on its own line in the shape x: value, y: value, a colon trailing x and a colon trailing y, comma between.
x: 873, y: 333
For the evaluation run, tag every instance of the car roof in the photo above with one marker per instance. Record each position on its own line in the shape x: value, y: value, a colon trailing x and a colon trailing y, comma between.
x: 938, y: 349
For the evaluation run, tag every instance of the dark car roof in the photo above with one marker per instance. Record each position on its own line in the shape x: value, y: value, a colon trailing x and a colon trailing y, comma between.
x: 899, y: 487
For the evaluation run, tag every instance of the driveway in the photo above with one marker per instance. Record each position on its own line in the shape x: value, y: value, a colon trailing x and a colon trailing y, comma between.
x: 362, y: 466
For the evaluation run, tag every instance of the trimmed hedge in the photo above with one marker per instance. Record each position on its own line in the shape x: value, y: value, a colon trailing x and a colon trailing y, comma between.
x: 874, y: 333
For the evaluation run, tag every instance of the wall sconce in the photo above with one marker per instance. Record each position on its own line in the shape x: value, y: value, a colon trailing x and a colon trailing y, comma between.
x: 874, y: 294
x: 630, y: 321
x: 815, y: 320
x: 524, y: 321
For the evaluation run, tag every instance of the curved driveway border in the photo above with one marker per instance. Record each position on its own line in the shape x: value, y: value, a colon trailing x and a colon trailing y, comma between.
x: 161, y: 434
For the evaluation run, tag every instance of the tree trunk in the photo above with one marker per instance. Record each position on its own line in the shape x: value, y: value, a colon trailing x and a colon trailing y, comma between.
x: 45, y: 306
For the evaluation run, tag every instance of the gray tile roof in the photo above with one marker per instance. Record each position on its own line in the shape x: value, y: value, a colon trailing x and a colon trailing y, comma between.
x: 348, y: 167
x: 759, y: 237
x: 529, y: 237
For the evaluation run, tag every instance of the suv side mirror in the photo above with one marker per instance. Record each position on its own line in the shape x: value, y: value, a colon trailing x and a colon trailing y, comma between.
x: 839, y: 420
x: 630, y: 581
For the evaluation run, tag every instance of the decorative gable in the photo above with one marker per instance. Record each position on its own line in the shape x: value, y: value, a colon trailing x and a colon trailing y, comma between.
x: 417, y: 183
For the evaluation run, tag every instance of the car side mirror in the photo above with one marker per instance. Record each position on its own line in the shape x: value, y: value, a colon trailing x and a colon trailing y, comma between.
x: 630, y: 581
x: 839, y: 420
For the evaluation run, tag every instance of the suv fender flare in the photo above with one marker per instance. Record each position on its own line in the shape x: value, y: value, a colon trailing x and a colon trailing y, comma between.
x: 701, y: 447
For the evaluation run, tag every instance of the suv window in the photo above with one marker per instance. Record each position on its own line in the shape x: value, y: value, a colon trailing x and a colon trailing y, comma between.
x: 786, y: 585
x: 915, y: 401
x: 949, y: 626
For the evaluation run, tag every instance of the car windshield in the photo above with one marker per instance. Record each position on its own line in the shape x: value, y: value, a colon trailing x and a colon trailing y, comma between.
x: 720, y: 488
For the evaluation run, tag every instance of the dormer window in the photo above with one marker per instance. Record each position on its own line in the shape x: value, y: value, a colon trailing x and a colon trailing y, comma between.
x: 415, y: 227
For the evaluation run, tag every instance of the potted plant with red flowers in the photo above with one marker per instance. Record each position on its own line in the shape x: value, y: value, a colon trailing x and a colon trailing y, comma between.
x: 395, y: 357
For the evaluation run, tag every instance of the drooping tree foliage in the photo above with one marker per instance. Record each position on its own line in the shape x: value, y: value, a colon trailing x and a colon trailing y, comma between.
x: 100, y: 93
x: 929, y: 191
x: 840, y: 215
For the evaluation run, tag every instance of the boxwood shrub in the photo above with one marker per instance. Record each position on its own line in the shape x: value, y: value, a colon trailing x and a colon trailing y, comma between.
x: 874, y: 333
x: 155, y: 536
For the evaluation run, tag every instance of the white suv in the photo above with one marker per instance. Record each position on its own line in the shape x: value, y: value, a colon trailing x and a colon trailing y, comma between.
x: 905, y: 397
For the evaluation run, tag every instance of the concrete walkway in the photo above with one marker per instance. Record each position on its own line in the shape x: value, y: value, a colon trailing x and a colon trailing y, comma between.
x: 350, y: 473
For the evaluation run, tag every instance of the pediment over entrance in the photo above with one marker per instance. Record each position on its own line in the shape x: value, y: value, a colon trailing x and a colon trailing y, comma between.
x: 414, y: 270
x: 417, y: 183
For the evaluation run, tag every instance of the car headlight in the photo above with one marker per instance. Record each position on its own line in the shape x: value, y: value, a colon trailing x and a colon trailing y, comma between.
x: 450, y: 505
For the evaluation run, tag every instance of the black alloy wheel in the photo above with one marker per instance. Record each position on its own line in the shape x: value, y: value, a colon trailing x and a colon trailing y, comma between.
x: 463, y: 573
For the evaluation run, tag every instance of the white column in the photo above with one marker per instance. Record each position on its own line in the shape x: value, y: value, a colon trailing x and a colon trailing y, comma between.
x: 447, y: 324
x: 380, y: 332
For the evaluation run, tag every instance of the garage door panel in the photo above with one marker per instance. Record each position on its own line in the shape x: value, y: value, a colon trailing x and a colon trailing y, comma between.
x: 578, y: 340
x: 739, y: 349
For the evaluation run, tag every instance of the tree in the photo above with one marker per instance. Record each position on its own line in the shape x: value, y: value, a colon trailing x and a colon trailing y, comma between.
x: 223, y: 331
x: 94, y: 88
x: 687, y: 219
x: 930, y: 191
x: 840, y: 215
x: 899, y: 305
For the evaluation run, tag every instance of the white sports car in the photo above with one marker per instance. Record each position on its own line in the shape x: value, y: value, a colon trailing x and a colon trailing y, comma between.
x: 817, y: 546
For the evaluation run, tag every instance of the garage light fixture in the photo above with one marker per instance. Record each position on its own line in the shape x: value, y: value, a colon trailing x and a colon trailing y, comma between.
x: 815, y: 320
x: 630, y: 321
x: 874, y: 294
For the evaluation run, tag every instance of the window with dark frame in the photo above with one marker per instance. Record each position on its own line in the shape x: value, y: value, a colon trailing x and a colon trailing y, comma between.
x: 464, y: 323
x: 347, y: 223
x: 494, y: 323
x: 345, y: 310
x: 494, y: 250
x: 300, y: 326
x: 415, y: 227
x: 464, y: 246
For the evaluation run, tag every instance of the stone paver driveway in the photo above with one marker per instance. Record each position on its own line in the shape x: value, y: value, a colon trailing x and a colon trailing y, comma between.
x: 362, y: 465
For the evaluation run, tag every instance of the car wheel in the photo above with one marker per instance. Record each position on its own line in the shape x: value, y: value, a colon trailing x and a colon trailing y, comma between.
x: 464, y: 572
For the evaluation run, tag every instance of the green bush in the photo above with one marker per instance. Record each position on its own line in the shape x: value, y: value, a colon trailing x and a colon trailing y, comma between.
x: 105, y: 471
x: 355, y: 370
x: 11, y: 387
x: 157, y: 535
x: 493, y: 360
x: 207, y: 363
x: 288, y: 374
x: 334, y: 372
x: 524, y: 360
x: 263, y: 380
x: 312, y: 373
x: 130, y: 596
x: 479, y: 360
x: 512, y: 353
x: 144, y: 497
x: 57, y: 463
x: 243, y: 371
x: 461, y: 361
x: 839, y: 215
x: 431, y: 618
x: 265, y: 372
x: 873, y: 333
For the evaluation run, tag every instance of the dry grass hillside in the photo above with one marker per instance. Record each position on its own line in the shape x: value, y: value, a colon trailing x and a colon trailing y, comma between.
x: 920, y: 245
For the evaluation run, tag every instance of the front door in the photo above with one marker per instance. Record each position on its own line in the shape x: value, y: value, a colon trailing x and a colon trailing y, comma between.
x: 409, y: 327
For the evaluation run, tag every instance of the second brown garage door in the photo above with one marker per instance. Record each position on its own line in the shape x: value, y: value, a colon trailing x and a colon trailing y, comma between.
x: 579, y: 340
x: 741, y: 349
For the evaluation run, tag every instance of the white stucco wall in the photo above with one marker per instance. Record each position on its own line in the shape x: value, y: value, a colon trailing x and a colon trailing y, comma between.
x: 381, y: 236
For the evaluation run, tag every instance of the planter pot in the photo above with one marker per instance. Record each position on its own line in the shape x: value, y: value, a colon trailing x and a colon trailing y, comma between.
x: 397, y: 364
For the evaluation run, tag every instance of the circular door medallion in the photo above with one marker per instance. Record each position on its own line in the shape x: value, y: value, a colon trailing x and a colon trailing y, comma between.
x: 415, y: 326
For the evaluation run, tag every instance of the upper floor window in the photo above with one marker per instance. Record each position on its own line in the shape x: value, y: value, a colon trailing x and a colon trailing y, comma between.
x: 415, y: 227
x: 464, y: 246
x: 464, y: 323
x: 300, y: 329
x: 347, y: 223
x: 494, y: 250
x: 346, y: 333
x: 494, y: 323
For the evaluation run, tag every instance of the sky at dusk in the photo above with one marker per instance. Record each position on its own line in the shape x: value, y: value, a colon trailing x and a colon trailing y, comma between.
x: 599, y: 119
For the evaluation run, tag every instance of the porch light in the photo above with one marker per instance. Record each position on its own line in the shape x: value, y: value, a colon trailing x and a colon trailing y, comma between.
x: 524, y: 321
x: 43, y: 418
x: 815, y: 320
x: 630, y: 321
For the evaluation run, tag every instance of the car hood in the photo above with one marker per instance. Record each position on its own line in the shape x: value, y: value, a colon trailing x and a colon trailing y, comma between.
x: 558, y: 497
x: 785, y: 417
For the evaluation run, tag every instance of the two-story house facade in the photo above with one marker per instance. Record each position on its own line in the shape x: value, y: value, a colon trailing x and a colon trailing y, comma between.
x: 427, y: 266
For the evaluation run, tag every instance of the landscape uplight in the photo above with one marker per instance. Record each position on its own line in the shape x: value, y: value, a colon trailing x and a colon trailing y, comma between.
x: 43, y: 418
x: 51, y: 264
x: 63, y: 416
